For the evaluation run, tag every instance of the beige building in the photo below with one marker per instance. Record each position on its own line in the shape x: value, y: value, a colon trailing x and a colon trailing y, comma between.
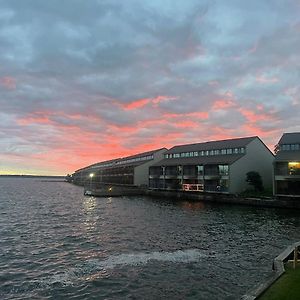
x: 217, y: 166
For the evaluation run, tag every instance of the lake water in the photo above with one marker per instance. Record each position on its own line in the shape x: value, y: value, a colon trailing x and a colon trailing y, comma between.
x: 56, y: 243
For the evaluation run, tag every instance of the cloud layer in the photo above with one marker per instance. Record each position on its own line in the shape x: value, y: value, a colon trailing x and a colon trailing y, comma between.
x: 86, y: 81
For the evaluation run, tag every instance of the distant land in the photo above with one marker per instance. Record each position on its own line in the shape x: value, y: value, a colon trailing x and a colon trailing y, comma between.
x: 33, y: 176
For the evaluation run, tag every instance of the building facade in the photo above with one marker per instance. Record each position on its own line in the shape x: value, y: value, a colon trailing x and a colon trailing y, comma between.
x: 217, y: 166
x: 287, y: 165
x: 131, y: 170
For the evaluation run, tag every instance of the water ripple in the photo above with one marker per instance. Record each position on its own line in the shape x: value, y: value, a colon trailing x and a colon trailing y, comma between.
x: 57, y: 244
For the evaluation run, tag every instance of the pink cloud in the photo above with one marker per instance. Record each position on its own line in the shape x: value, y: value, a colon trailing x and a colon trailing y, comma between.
x: 34, y: 118
x: 8, y: 82
x: 196, y: 114
x: 265, y: 80
x: 253, y: 117
x: 186, y: 124
x: 140, y: 103
x: 136, y: 104
x: 222, y: 104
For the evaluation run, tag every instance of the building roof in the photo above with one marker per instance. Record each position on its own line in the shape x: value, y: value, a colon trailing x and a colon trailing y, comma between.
x: 290, y: 138
x: 142, y: 154
x: 122, y: 161
x: 287, y: 156
x: 213, y: 145
x: 201, y: 160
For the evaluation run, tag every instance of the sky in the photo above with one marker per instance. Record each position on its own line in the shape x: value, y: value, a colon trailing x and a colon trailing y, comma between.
x: 87, y: 81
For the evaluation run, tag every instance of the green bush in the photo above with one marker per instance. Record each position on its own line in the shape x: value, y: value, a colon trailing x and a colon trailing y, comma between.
x: 254, y: 179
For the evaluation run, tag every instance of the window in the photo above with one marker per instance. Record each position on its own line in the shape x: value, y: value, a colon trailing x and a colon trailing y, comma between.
x: 223, y: 151
x: 179, y: 170
x: 202, y: 153
x: 223, y: 169
x: 236, y: 150
x: 229, y: 151
x: 206, y: 152
x: 166, y: 155
x: 200, y: 170
x: 242, y: 150
x: 196, y: 153
x: 295, y: 147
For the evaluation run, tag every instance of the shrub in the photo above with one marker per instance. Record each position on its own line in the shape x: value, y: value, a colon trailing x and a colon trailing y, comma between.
x: 254, y: 179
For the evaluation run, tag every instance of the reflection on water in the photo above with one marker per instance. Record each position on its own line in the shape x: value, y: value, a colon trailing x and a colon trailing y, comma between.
x: 193, y: 206
x: 57, y: 244
x: 89, y: 204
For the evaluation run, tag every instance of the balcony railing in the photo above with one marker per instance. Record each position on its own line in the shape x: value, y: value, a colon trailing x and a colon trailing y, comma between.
x: 281, y: 172
x: 192, y: 187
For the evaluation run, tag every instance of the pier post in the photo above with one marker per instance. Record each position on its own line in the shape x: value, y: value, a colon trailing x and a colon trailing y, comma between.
x: 295, y: 257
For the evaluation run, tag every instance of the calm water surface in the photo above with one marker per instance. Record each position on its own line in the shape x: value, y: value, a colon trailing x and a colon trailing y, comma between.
x: 56, y: 243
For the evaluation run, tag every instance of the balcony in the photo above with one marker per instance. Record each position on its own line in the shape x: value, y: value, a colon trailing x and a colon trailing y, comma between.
x: 193, y: 187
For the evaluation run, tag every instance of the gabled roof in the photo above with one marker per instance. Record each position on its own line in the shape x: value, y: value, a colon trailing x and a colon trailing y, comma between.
x: 142, y: 154
x: 287, y: 156
x: 290, y: 138
x: 213, y: 145
x: 201, y: 160
x: 113, y: 162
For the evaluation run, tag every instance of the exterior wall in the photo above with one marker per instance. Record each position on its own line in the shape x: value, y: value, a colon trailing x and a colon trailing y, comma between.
x: 257, y: 158
x: 141, y: 172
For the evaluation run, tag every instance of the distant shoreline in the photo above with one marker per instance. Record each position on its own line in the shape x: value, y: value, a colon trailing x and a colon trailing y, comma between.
x: 34, y: 176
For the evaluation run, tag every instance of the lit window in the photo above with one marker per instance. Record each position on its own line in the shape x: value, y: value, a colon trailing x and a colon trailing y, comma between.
x: 242, y: 150
x: 223, y: 169
x: 223, y: 151
x: 206, y: 152
x: 229, y: 151
x: 294, y: 168
x: 196, y: 153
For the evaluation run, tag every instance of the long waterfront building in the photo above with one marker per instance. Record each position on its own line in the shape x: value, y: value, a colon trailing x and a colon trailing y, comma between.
x: 216, y: 166
x: 131, y: 170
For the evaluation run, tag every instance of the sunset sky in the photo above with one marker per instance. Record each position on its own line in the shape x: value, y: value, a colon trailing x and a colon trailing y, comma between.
x: 86, y: 81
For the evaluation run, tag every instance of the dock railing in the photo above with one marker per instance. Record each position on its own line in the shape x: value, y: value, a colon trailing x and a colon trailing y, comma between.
x: 290, y: 254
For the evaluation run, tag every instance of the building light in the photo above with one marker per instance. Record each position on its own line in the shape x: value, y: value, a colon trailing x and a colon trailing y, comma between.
x: 92, y: 175
x: 294, y: 164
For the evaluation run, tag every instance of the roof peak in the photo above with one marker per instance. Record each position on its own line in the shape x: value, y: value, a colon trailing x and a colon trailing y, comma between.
x: 217, y: 141
x: 290, y: 138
